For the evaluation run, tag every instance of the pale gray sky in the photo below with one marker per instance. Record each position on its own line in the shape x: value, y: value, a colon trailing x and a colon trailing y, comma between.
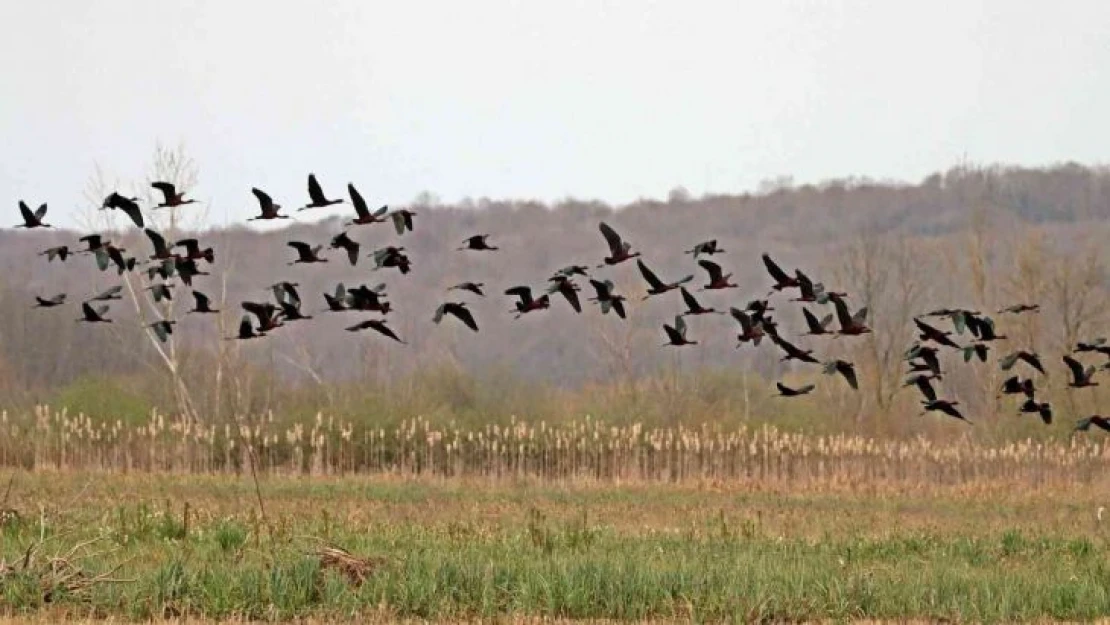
x: 541, y: 99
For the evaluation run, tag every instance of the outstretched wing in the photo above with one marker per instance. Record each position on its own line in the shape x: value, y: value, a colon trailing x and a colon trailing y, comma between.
x: 776, y: 272
x: 357, y: 202
x: 157, y: 240
x: 168, y: 191
x: 616, y: 245
x: 712, y: 268
x: 315, y: 193
x: 653, y: 280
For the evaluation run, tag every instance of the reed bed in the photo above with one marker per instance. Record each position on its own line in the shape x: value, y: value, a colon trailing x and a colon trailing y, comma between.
x: 587, y: 448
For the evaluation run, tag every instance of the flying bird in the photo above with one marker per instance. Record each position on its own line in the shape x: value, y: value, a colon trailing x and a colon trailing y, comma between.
x: 378, y: 326
x: 32, y: 219
x: 1030, y: 358
x: 342, y: 240
x: 402, y: 220
x: 793, y: 352
x: 619, y: 249
x: 458, y: 310
x: 479, y: 242
x: 268, y: 209
x: 717, y: 278
x: 607, y: 298
x: 246, y: 330
x: 60, y: 252
x: 1020, y: 308
x: 129, y: 205
x: 945, y: 406
x: 473, y: 287
x: 202, y: 303
x: 708, y: 248
x: 781, y: 278
x: 930, y: 333
x: 846, y: 369
x: 693, y: 307
x: 316, y: 195
x: 816, y: 327
x: 786, y: 391
x: 162, y: 329
x: 88, y: 314
x: 526, y: 303
x: 193, y: 251
x: 1080, y: 377
x: 108, y: 294
x: 568, y: 289
x: 1043, y: 409
x: 850, y: 325
x: 306, y: 253
x: 676, y: 334
x: 657, y: 286
x: 170, y: 196
x: 362, y: 210
x: 392, y: 256
x: 1098, y: 421
x: 50, y: 302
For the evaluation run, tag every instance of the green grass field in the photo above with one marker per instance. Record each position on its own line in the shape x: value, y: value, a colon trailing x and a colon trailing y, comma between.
x: 449, y: 550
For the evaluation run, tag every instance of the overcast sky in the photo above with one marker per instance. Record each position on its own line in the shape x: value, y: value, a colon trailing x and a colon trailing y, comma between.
x: 540, y: 99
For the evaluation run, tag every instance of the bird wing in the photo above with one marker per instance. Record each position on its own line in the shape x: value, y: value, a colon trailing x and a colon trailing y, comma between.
x: 25, y: 212
x: 304, y: 250
x: 776, y: 272
x: 814, y: 325
x: 315, y: 193
x: 523, y: 292
x: 158, y: 241
x: 572, y: 296
x: 688, y: 298
x: 167, y: 189
x: 849, y: 372
x: 616, y: 245
x: 604, y: 289
x: 860, y: 316
x: 672, y: 334
x: 653, y: 280
x: 842, y: 314
x: 925, y: 328
x: 785, y: 390
x: 712, y: 268
x: 40, y: 212
x: 201, y: 300
x: 465, y: 316
x: 264, y: 200
x: 131, y: 209
x: 357, y: 202
x: 805, y: 284
x: 926, y: 388
x: 742, y: 318
x: 398, y: 222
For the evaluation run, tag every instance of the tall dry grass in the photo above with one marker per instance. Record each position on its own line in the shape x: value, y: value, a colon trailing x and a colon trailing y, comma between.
x: 586, y: 448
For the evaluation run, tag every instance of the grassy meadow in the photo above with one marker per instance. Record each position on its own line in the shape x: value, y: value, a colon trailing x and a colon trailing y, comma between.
x: 136, y: 546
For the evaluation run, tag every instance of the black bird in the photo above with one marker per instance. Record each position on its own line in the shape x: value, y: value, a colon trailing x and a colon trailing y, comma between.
x: 306, y: 253
x: 368, y: 300
x: 1029, y: 358
x: 786, y: 391
x: 478, y: 242
x: 316, y: 195
x: 924, y: 385
x: 341, y: 240
x: 693, y: 307
x: 291, y: 310
x: 568, y: 289
x: 1021, y: 308
x: 1080, y: 377
x: 1044, y: 409
x: 574, y: 270
x: 708, y: 248
x: 337, y: 302
x: 976, y: 350
x: 459, y: 310
x: 928, y: 356
x: 32, y: 219
x: 94, y: 242
x: 782, y: 279
x: 108, y: 294
x: 657, y: 286
x: 162, y: 329
x: 60, y: 252
x: 929, y: 333
x: 402, y: 220
x: 392, y: 257
x: 1098, y: 421
x: 676, y: 334
x: 286, y: 292
x: 983, y: 328
x: 850, y: 325
x: 170, y: 196
x: 527, y: 303
x: 129, y: 205
x: 945, y: 406
x: 751, y: 330
x: 607, y: 298
x: 111, y: 254
x: 160, y: 291
x: 378, y: 326
x: 362, y: 210
x: 187, y: 269
x: 161, y: 250
x: 810, y: 292
x: 619, y: 249
x: 94, y: 316
x: 203, y: 303
x: 845, y: 369
x: 266, y: 313
x: 165, y: 269
x: 1014, y: 385
x: 193, y: 251
x: 268, y: 209
x: 816, y: 327
x: 473, y: 287
x: 50, y: 302
x: 793, y: 352
x: 1094, y: 345
x: 246, y: 330
x: 717, y: 278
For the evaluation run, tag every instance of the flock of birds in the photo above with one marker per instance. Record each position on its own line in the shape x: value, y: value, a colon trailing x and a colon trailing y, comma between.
x: 755, y: 322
